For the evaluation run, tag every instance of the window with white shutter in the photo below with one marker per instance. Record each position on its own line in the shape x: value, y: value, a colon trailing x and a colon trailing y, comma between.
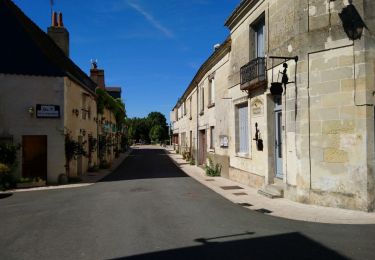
x: 242, y: 129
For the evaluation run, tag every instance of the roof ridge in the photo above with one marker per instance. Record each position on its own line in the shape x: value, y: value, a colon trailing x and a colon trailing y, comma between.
x: 56, y: 63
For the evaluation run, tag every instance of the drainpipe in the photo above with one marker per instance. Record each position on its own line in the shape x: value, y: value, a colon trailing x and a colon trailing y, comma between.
x: 197, y: 136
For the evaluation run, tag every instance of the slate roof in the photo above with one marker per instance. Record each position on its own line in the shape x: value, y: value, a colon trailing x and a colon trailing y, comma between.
x: 25, y: 49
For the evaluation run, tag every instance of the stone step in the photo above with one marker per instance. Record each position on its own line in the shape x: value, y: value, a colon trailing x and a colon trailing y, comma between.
x: 272, y: 191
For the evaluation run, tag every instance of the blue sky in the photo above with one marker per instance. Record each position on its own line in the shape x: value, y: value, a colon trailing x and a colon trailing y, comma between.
x: 151, y: 48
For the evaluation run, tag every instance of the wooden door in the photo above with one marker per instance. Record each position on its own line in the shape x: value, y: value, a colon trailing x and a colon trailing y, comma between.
x: 202, y: 147
x: 34, y: 156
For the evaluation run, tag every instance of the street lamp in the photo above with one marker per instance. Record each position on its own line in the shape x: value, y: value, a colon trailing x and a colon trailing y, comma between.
x: 352, y: 22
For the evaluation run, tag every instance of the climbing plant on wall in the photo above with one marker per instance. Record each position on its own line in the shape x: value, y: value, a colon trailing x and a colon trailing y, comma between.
x: 117, y: 107
x: 72, y: 150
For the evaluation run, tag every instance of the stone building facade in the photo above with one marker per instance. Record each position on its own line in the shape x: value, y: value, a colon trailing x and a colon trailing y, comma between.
x: 314, y: 143
x: 45, y: 97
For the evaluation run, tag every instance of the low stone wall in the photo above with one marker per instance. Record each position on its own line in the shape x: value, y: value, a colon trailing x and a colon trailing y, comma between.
x: 246, y: 178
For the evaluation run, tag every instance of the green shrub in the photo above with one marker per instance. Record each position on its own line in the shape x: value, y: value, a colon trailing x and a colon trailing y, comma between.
x: 124, y: 143
x: 104, y: 165
x: 4, y: 169
x: 192, y: 161
x: 212, y: 169
x: 29, y: 180
x: 186, y: 155
x: 7, y: 181
x: 93, y: 168
x: 8, y: 154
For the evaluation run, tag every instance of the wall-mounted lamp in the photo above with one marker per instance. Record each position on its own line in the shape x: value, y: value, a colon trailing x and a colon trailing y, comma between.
x: 277, y: 87
x: 258, y: 139
x: 75, y: 112
x: 82, y: 131
x: 352, y: 22
x: 31, y: 111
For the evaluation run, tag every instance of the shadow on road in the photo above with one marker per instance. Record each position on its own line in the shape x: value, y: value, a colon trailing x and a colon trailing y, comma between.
x: 146, y: 164
x: 5, y: 195
x: 284, y: 246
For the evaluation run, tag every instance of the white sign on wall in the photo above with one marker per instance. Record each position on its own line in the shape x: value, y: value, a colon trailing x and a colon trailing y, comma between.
x: 224, y: 141
x: 47, y: 111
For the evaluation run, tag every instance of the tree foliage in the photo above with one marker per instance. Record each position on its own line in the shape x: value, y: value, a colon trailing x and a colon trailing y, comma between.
x: 156, y: 133
x: 105, y: 100
x: 151, y: 128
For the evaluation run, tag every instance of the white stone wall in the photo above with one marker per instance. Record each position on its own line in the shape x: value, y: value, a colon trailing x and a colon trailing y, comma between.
x: 327, y: 110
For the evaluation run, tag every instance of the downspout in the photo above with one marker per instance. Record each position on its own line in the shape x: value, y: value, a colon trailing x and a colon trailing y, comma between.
x: 197, y: 136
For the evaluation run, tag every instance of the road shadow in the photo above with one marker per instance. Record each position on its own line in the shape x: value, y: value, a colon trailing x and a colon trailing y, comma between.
x: 146, y: 164
x: 5, y: 195
x: 284, y: 246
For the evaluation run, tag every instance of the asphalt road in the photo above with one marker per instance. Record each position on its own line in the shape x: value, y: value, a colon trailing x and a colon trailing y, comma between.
x: 149, y: 209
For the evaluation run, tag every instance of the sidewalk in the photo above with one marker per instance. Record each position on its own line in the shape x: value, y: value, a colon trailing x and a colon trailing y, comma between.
x: 89, y: 179
x: 283, y: 208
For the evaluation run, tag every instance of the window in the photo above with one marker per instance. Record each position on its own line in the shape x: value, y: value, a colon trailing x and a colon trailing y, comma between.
x: 242, y: 129
x: 211, y: 92
x: 258, y: 29
x: 212, y: 137
x: 185, y: 108
x: 190, y: 108
x: 89, y: 111
x: 84, y: 106
x: 180, y: 112
x: 201, y: 101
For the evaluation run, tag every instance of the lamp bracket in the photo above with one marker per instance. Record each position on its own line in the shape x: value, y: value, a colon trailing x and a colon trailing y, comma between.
x: 295, y: 58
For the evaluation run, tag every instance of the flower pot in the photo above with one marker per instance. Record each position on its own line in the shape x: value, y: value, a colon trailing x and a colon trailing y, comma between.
x: 276, y: 88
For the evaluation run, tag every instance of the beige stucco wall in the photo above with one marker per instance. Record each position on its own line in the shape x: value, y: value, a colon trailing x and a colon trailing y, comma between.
x: 17, y: 94
x: 251, y: 169
x: 108, y: 119
x: 78, y: 126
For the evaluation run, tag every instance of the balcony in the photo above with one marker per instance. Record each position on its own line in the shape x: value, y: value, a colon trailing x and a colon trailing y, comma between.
x: 253, y: 75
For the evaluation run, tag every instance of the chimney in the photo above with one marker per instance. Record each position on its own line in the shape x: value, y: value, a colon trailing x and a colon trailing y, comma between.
x: 97, y: 75
x: 58, y: 33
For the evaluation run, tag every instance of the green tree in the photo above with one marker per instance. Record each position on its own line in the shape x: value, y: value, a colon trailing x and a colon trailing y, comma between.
x: 158, y: 119
x: 140, y: 128
x: 157, y: 133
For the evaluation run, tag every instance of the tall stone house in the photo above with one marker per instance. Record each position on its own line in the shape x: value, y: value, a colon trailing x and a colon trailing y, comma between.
x: 44, y: 97
x: 286, y: 103
x: 109, y: 131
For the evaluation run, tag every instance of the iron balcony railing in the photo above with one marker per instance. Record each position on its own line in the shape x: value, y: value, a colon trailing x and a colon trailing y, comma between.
x: 254, y: 71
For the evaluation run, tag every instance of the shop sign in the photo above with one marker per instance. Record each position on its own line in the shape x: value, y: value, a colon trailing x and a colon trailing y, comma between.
x: 47, y: 111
